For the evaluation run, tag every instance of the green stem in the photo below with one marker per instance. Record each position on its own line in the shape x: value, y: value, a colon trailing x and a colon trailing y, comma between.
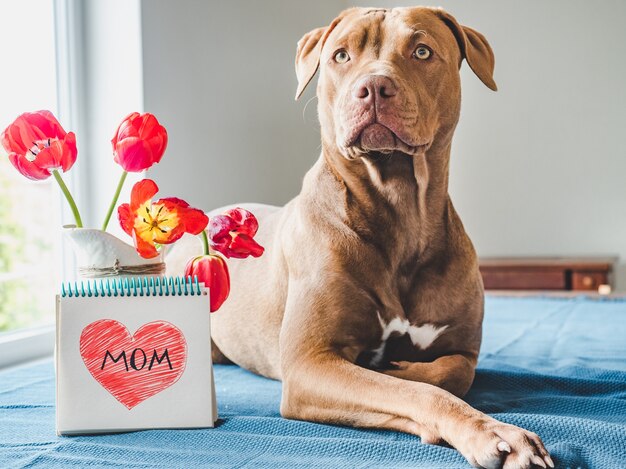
x: 68, y: 196
x: 114, y: 201
x: 205, y: 243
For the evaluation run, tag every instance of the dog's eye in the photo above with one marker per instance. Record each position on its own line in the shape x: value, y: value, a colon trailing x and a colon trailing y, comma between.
x: 422, y: 53
x: 341, y: 56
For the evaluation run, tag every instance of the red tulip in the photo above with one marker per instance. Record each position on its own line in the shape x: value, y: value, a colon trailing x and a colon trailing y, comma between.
x: 232, y: 234
x: 211, y: 270
x: 37, y: 145
x: 160, y: 222
x: 139, y: 142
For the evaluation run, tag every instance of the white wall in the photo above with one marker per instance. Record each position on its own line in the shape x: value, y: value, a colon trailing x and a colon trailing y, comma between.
x: 220, y: 76
x: 538, y: 168
x: 111, y: 52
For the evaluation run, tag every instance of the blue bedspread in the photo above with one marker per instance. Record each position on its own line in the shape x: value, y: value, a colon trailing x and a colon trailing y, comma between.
x: 556, y: 367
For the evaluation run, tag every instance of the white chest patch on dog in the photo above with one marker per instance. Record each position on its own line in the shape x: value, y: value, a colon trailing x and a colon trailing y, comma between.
x: 421, y: 336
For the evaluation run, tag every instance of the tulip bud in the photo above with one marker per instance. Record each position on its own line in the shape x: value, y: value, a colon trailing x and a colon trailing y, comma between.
x: 211, y: 270
x: 139, y: 142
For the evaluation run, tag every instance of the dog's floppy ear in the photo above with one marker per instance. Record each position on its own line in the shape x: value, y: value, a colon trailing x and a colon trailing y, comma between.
x: 474, y: 48
x: 308, y: 54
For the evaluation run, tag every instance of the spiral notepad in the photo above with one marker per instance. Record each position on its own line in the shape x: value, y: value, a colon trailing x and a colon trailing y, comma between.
x: 133, y: 353
x: 133, y: 286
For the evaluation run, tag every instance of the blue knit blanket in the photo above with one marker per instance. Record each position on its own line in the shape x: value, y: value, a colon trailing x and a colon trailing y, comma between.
x: 556, y: 367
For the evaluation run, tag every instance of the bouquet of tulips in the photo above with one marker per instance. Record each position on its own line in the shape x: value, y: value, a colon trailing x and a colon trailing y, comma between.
x: 38, y: 147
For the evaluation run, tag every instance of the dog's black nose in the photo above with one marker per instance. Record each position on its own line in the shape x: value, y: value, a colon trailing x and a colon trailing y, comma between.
x: 374, y: 87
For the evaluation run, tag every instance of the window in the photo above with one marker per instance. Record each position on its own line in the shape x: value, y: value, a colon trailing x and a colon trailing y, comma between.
x: 44, y: 44
x: 30, y: 212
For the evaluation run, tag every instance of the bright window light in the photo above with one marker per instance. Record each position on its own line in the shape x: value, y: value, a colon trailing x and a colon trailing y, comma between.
x: 30, y: 212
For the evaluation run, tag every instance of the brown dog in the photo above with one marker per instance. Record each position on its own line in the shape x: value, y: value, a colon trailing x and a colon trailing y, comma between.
x: 368, y: 303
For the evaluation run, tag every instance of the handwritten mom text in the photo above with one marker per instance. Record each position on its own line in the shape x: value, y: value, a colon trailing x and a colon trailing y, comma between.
x: 133, y: 359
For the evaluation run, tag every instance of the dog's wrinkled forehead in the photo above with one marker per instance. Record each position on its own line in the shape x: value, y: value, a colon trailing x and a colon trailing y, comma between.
x: 380, y: 30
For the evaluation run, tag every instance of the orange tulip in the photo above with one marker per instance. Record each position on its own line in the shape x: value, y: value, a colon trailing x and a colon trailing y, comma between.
x: 161, y: 222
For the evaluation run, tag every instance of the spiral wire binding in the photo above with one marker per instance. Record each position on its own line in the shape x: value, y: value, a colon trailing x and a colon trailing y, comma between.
x: 135, y: 286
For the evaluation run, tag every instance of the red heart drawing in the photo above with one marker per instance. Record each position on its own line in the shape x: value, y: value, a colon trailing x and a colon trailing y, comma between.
x: 133, y: 368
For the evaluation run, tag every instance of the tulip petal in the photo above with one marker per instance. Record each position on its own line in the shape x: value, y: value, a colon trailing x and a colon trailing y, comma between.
x: 142, y: 192
x: 221, y: 246
x: 145, y: 249
x: 158, y: 143
x: 243, y: 246
x: 171, y: 236
x: 133, y: 154
x: 125, y: 129
x: 12, y: 141
x: 220, y: 227
x: 28, y: 168
x: 47, y: 158
x: 189, y: 267
x: 126, y: 218
x: 137, y: 121
x: 57, y: 155
x: 174, y: 201
x: 146, y: 125
x: 30, y: 127
x: 247, y: 222
x: 160, y: 149
x: 70, y: 152
x: 219, y: 286
x: 46, y: 123
x: 195, y: 220
x: 28, y: 134
x: 213, y: 272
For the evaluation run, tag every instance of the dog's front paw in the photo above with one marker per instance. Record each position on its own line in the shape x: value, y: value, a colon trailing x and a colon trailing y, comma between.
x: 492, y: 444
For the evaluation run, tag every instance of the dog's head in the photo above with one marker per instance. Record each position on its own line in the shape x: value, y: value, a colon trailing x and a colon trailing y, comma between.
x: 389, y: 79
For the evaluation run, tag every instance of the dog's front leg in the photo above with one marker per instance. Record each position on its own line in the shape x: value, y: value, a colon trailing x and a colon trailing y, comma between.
x: 454, y: 373
x: 321, y: 384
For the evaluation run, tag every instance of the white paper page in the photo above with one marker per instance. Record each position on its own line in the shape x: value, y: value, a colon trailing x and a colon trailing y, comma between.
x: 85, y: 406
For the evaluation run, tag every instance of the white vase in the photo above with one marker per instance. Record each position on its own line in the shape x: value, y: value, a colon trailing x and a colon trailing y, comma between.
x: 100, y: 254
